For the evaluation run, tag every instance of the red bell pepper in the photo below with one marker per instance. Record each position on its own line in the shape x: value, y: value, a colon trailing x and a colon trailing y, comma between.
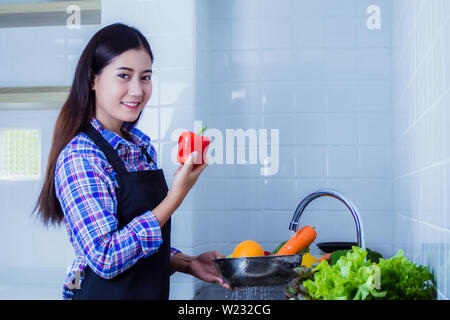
x: 190, y: 142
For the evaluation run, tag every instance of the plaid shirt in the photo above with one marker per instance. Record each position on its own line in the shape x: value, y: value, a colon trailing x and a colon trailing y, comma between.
x: 85, y: 185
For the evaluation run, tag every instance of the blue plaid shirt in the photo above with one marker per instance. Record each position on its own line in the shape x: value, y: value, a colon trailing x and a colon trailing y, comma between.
x: 85, y: 185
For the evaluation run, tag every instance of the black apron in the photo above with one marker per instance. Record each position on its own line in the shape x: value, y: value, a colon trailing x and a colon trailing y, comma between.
x: 138, y: 192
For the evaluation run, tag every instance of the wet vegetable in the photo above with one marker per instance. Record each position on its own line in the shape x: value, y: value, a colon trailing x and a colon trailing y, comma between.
x: 354, y: 277
x: 279, y: 247
x: 302, y: 239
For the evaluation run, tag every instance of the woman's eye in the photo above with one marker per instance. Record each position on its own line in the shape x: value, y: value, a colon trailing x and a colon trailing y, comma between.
x: 123, y: 75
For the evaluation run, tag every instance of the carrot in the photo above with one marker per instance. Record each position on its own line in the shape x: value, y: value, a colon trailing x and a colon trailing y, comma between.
x: 325, y: 257
x: 303, y: 238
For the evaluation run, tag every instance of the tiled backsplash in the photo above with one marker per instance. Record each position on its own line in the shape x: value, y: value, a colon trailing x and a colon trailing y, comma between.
x: 314, y: 71
x: 421, y: 108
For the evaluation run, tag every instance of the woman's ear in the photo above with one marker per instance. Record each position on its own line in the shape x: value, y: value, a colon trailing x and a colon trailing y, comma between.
x: 93, y: 81
x: 93, y: 84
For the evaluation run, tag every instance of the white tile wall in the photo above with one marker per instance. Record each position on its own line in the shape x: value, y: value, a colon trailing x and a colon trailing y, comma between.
x: 420, y: 108
x: 312, y: 70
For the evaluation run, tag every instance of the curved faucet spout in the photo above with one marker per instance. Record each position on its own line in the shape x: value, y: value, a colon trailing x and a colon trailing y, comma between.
x: 293, y: 226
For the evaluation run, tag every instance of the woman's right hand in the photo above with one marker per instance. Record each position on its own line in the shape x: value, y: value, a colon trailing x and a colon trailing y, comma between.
x: 185, y: 177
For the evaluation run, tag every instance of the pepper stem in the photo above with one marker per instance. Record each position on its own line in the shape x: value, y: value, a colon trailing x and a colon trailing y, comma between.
x: 201, y: 131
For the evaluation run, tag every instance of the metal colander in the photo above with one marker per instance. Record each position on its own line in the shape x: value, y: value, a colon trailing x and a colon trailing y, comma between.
x: 258, y: 271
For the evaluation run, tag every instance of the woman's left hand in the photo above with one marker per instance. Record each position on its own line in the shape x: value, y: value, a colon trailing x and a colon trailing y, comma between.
x: 203, y: 267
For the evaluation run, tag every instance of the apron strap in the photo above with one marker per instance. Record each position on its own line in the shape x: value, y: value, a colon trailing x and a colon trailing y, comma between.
x: 107, y: 149
x: 149, y: 159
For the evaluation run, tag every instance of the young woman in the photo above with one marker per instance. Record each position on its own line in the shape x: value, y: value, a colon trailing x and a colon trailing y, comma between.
x: 103, y: 183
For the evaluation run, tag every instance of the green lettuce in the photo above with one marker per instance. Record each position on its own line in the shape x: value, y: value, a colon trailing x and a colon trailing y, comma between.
x: 404, y: 280
x: 353, y: 277
x: 371, y: 255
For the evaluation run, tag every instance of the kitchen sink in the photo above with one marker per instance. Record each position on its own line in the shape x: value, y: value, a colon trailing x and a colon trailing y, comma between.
x: 216, y: 292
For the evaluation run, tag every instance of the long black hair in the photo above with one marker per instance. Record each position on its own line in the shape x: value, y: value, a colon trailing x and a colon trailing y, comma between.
x: 79, y: 108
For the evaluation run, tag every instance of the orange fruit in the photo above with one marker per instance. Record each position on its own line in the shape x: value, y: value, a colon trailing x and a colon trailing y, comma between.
x: 248, y: 248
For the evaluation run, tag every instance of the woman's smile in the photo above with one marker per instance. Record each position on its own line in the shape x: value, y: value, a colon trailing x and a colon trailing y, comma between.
x: 131, y: 105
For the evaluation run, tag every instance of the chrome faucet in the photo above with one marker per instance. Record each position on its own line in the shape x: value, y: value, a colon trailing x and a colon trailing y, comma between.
x: 293, y: 226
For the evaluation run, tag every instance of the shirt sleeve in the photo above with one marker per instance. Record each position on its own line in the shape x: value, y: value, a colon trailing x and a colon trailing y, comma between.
x: 89, y: 207
x: 173, y: 251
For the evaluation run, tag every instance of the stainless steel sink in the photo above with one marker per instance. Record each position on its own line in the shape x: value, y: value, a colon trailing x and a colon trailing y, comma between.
x: 216, y: 292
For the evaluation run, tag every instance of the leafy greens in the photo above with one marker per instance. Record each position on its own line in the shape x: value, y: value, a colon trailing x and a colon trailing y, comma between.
x: 354, y: 277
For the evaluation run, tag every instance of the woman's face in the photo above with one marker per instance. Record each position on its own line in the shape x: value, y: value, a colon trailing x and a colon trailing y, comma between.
x: 127, y: 79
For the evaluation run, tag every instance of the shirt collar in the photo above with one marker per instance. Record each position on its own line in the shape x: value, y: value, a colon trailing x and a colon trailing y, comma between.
x: 140, y: 138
